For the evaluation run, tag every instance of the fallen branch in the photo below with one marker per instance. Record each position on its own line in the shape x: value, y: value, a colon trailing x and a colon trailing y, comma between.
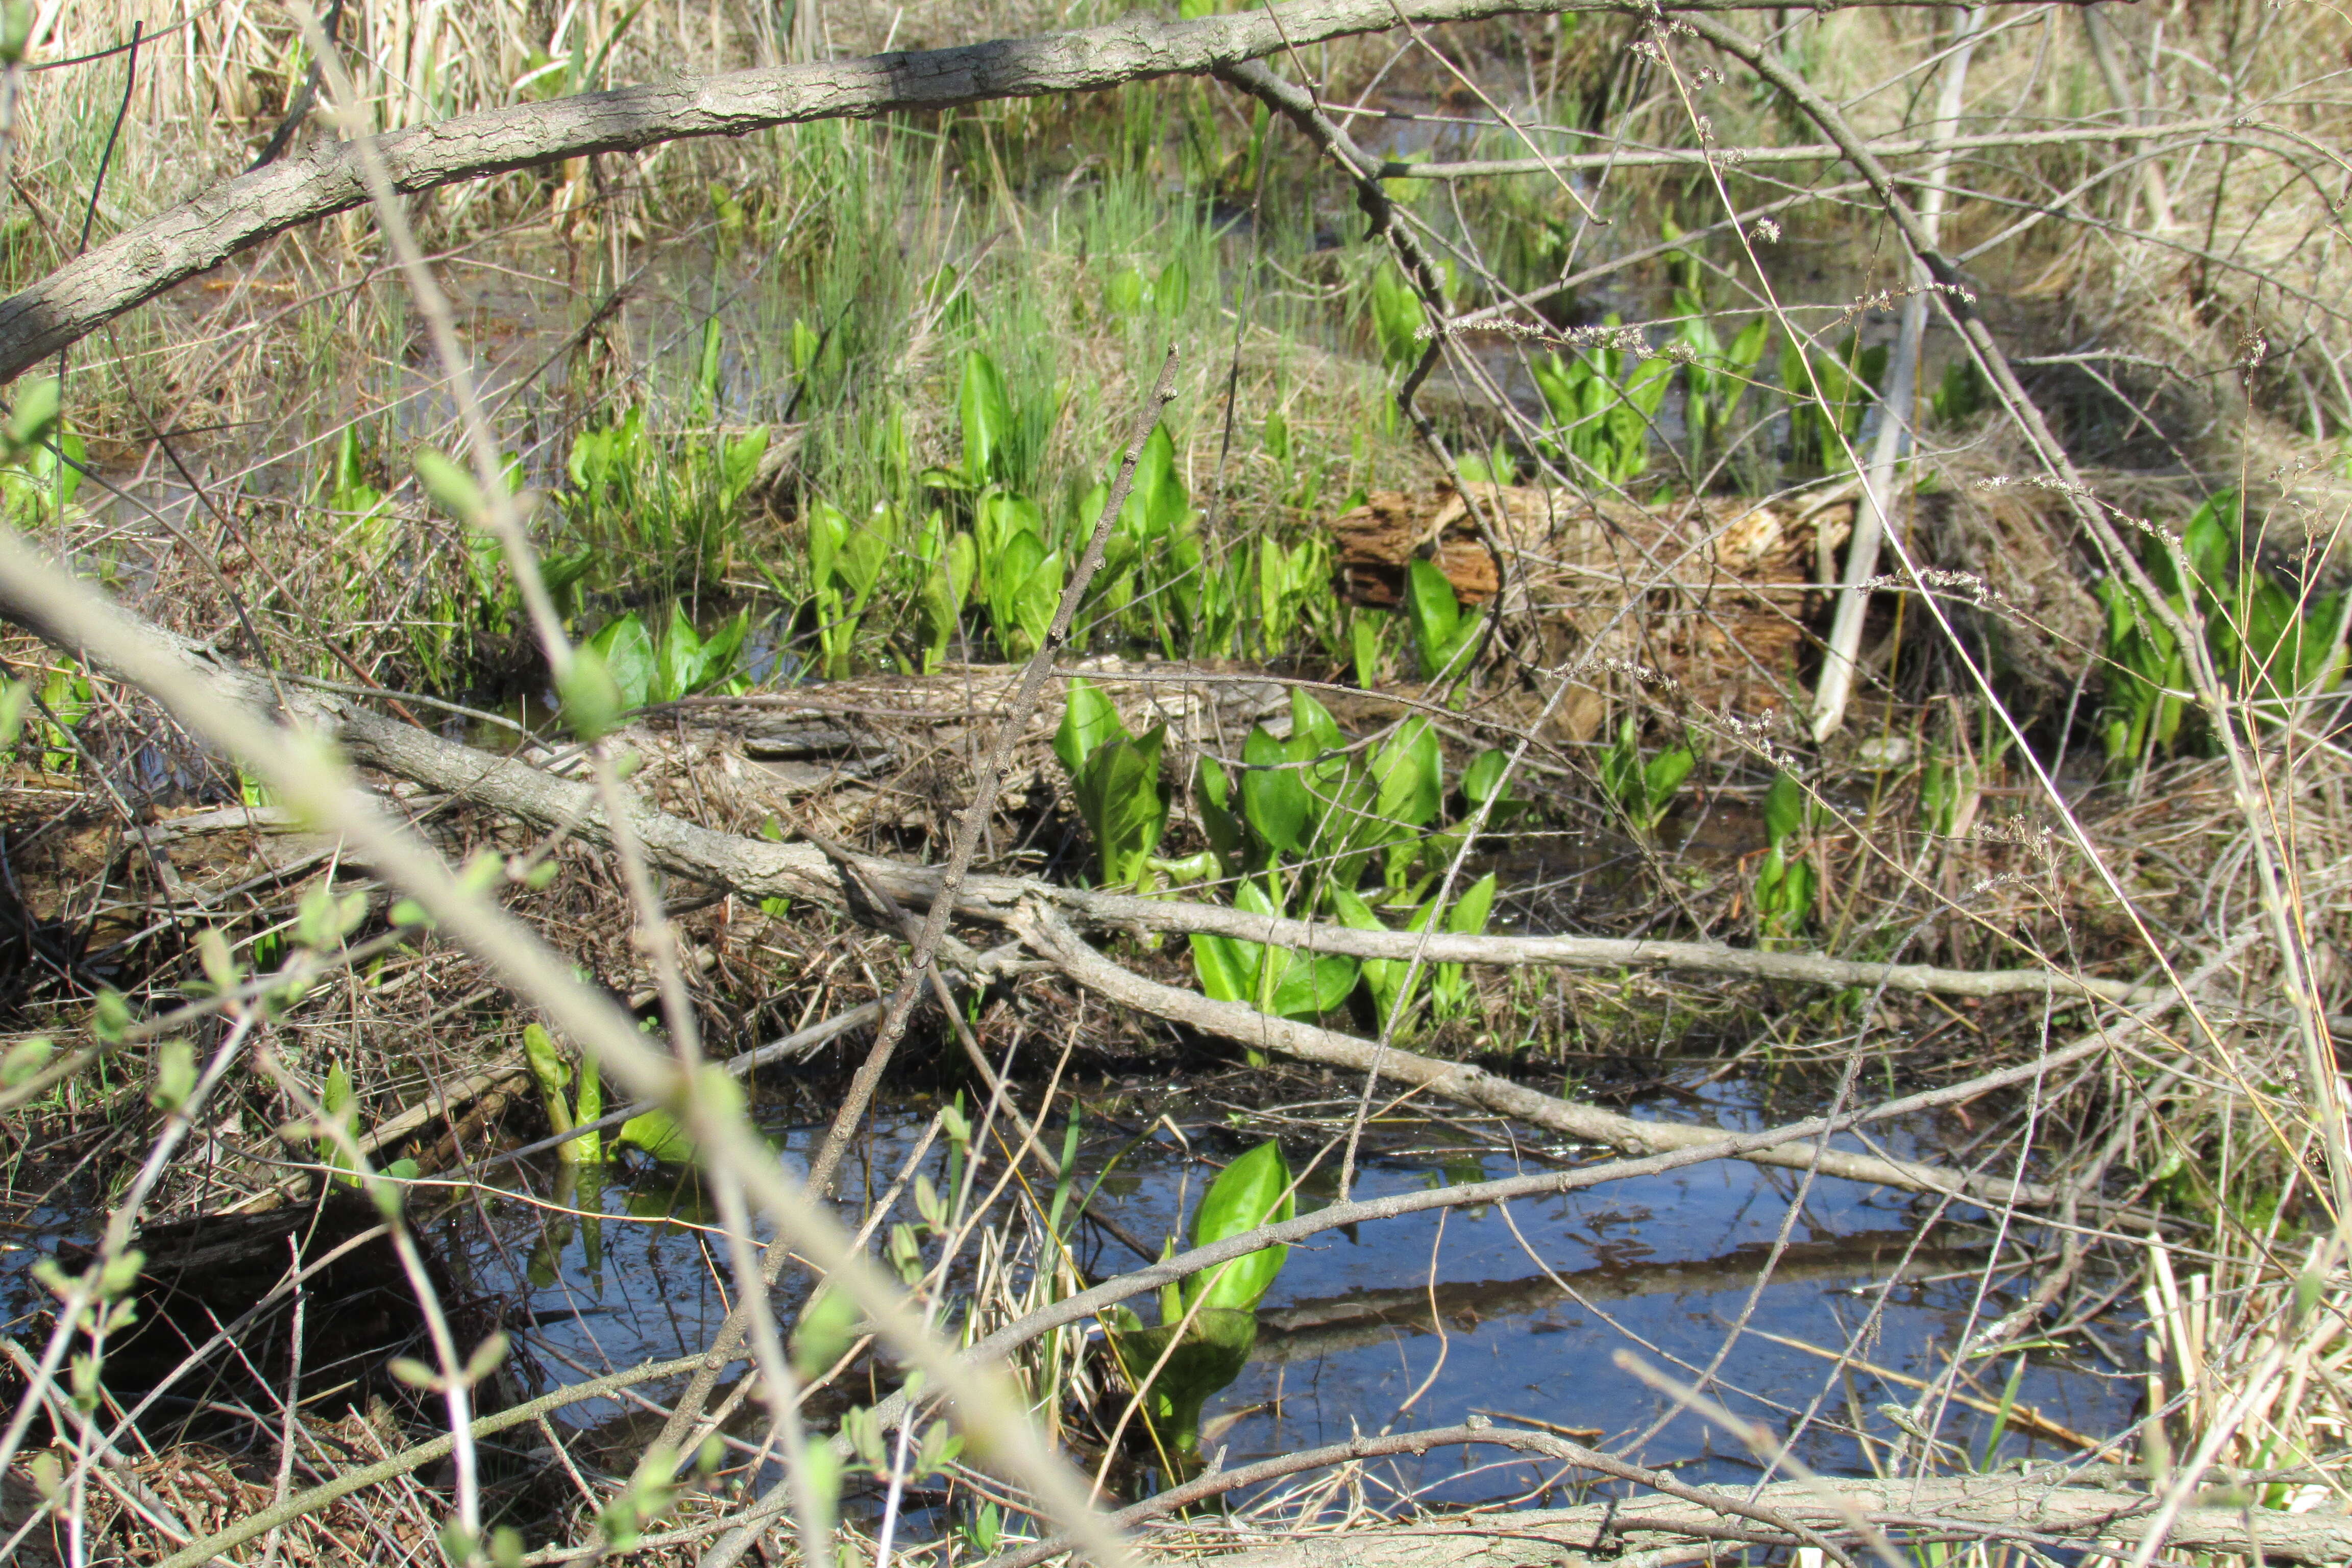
x: 2038, y: 1507
x: 1709, y: 1503
x: 201, y: 233
x: 1051, y: 937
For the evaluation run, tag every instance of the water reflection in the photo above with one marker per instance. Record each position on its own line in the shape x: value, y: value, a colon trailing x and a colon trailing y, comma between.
x: 1424, y: 1320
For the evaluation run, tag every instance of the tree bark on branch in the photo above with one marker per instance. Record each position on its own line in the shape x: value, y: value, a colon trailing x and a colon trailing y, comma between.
x: 201, y: 233
x: 2040, y: 1507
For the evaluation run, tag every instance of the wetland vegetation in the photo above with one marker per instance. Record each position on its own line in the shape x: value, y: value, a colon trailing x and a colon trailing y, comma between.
x: 1390, y: 784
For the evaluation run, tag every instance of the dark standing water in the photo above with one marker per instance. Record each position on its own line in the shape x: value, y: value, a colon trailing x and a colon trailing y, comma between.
x: 1428, y: 1319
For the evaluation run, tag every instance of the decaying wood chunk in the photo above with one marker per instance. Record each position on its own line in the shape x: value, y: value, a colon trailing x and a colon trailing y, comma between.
x: 1713, y: 592
x: 897, y: 751
x: 1556, y: 534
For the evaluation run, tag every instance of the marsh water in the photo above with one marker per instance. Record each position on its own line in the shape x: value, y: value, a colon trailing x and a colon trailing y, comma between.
x: 1433, y: 1318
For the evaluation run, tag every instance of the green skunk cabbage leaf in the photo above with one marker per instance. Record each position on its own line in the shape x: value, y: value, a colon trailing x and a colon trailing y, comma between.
x: 1273, y: 795
x: 1254, y: 1190
x: 1784, y: 807
x: 658, y: 1132
x: 1087, y: 721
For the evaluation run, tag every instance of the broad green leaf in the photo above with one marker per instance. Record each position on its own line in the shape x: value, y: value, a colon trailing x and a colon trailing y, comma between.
x: 1211, y: 1354
x: 627, y: 652
x: 658, y: 1132
x: 1470, y: 912
x: 1313, y: 730
x: 827, y: 529
x: 1227, y: 968
x: 678, y: 667
x: 547, y: 1068
x: 1273, y: 796
x: 945, y: 589
x: 1784, y: 807
x: 1120, y: 796
x: 1411, y: 773
x: 1436, y: 613
x: 987, y: 416
x: 1165, y: 502
x: 1135, y: 806
x: 1088, y: 721
x: 2210, y: 544
x: 1254, y: 1190
x: 1664, y: 775
x: 1213, y: 801
x: 1385, y: 977
x: 1173, y: 290
x: 866, y: 552
x: 1123, y: 291
x: 1040, y: 597
x: 336, y: 1098
x: 739, y: 465
x: 719, y: 649
x: 1008, y: 573
x: 588, y: 1105
x: 1313, y: 983
x: 1488, y: 772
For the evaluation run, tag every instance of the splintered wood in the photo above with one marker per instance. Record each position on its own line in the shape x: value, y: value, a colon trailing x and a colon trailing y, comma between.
x: 1711, y: 594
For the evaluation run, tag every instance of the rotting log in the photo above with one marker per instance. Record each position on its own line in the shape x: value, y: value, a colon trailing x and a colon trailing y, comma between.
x: 199, y: 234
x: 1725, y: 583
x: 757, y: 868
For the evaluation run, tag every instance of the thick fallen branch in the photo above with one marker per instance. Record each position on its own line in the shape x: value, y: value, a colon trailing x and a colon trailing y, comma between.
x: 1052, y: 937
x: 2039, y: 1508
x: 201, y: 233
x: 1717, y: 1504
